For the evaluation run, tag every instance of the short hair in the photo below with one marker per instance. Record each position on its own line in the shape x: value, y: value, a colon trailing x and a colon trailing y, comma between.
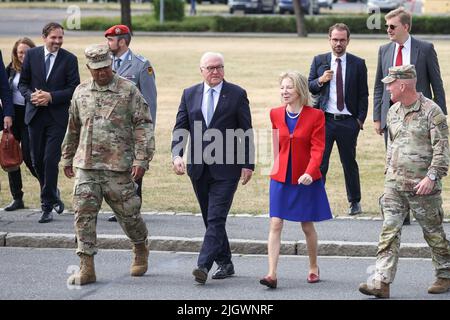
x: 211, y: 54
x: 126, y: 37
x: 340, y: 27
x: 300, y: 84
x: 49, y: 27
x: 16, y: 64
x: 404, y: 15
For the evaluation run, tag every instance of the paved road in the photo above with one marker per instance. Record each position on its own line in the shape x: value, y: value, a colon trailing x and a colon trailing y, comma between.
x: 42, y: 273
x: 352, y: 230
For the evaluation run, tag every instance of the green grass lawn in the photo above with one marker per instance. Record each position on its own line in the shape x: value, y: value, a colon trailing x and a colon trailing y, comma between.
x: 255, y: 65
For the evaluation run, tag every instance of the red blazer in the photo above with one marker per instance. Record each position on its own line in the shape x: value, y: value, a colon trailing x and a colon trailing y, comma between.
x: 307, y: 144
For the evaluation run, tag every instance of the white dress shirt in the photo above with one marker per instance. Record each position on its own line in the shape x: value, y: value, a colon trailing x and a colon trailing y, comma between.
x: 406, y: 52
x: 332, y: 99
x: 216, y: 95
x: 52, y: 61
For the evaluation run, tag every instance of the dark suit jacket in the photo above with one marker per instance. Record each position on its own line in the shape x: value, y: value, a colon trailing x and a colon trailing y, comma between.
x: 356, y: 92
x: 232, y: 112
x: 61, y: 82
x: 424, y: 58
x: 5, y: 93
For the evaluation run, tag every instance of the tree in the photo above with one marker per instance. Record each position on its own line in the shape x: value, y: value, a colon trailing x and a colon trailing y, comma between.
x: 125, y: 13
x: 300, y: 18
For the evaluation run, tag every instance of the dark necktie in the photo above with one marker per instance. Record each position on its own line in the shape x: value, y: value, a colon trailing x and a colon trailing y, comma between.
x: 47, y: 64
x: 339, y: 86
x: 210, y: 107
x: 399, y: 59
x: 118, y: 61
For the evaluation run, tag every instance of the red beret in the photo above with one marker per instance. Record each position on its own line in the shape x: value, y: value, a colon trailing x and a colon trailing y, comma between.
x: 117, y: 30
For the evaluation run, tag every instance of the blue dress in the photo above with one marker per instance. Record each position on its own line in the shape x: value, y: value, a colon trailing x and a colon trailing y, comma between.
x: 297, y: 202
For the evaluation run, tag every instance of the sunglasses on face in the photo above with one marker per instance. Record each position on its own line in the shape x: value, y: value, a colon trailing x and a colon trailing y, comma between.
x: 390, y: 26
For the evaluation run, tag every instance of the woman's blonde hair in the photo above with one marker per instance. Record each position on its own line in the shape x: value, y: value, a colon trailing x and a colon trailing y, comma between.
x: 300, y: 84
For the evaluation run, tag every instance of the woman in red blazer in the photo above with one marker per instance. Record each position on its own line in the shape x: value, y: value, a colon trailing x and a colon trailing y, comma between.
x: 297, y: 192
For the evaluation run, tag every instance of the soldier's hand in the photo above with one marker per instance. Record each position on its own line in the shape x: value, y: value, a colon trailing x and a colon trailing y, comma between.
x: 68, y: 172
x: 179, y: 166
x: 425, y: 186
x: 137, y: 172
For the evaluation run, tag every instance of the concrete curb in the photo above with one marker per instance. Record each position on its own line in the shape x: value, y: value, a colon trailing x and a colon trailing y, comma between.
x: 238, y: 246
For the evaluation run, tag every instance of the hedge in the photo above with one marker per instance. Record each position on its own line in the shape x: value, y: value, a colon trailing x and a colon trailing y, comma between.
x: 276, y: 24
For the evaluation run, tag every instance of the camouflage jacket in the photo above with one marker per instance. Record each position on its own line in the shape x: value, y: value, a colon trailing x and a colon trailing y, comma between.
x: 417, y: 144
x: 109, y: 127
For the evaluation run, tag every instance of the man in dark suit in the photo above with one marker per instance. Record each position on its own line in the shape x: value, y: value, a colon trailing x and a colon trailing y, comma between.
x: 47, y: 81
x: 339, y: 79
x: 403, y: 50
x: 7, y: 109
x: 216, y: 115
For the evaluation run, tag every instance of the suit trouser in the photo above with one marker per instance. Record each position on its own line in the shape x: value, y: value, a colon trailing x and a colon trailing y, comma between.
x: 427, y: 209
x: 20, y: 132
x: 46, y: 137
x: 345, y: 133
x: 119, y: 191
x: 215, y: 198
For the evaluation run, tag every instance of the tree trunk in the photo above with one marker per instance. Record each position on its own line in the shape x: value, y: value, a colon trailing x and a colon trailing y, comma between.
x: 299, y: 19
x: 125, y: 12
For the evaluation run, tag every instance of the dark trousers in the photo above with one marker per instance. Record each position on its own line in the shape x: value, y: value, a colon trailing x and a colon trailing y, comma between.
x: 20, y: 132
x: 46, y: 137
x: 215, y: 198
x: 345, y: 133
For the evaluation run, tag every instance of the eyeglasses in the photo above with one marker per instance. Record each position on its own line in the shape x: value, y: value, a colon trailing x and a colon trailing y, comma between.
x: 212, y: 68
x: 390, y: 26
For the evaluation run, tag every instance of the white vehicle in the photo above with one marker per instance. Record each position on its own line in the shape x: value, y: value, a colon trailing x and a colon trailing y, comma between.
x: 384, y: 5
x: 325, y: 4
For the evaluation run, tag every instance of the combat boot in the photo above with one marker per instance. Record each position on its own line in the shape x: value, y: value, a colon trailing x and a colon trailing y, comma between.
x: 376, y: 288
x: 87, y: 271
x: 441, y: 285
x: 140, y: 262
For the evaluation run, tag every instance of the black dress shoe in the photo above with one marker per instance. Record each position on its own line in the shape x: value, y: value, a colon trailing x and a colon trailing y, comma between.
x: 15, y: 205
x: 46, y: 217
x: 355, y: 208
x: 59, y: 206
x: 200, y: 274
x: 223, y: 271
x: 112, y: 218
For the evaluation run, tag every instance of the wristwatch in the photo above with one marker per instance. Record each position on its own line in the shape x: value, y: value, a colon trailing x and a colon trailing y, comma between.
x: 432, y: 176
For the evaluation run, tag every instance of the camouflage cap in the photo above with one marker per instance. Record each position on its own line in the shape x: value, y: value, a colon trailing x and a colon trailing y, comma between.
x: 98, y: 56
x: 401, y: 72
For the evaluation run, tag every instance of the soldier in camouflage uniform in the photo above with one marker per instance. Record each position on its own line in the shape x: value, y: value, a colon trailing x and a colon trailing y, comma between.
x: 110, y: 141
x: 416, y: 160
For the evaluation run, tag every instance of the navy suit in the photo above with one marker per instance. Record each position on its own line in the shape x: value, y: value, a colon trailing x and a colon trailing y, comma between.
x: 7, y: 109
x: 214, y: 182
x: 47, y: 124
x: 343, y: 129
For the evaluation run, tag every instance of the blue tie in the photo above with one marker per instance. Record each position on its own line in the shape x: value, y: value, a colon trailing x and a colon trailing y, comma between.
x: 118, y: 61
x: 210, y: 107
x: 47, y: 64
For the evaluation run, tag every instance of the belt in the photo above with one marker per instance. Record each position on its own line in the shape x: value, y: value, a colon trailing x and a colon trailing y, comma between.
x: 337, y: 117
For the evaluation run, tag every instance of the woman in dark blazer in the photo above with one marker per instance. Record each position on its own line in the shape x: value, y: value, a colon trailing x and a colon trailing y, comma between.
x: 297, y: 192
x: 19, y: 129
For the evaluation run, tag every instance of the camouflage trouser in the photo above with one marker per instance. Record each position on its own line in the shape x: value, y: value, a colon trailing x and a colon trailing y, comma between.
x: 119, y: 191
x: 429, y: 214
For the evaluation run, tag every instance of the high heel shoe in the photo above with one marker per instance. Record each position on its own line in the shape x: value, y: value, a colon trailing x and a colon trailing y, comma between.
x: 269, y: 282
x: 313, y: 278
